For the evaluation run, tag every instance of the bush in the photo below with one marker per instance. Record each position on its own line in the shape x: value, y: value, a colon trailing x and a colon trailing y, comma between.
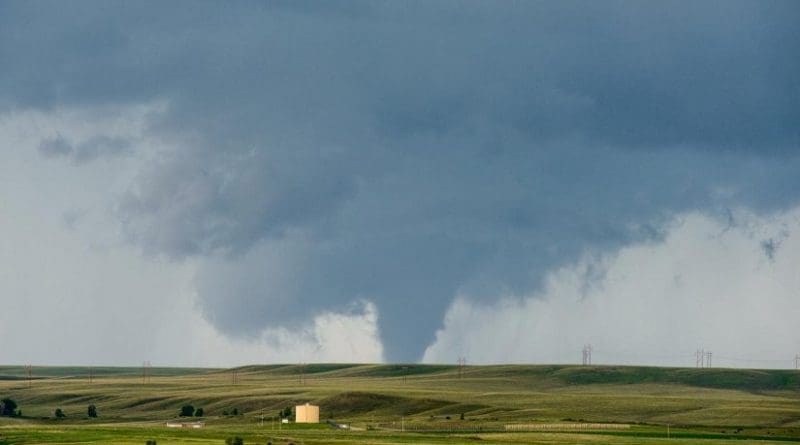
x: 198, y: 412
x: 150, y: 442
x: 234, y: 441
x: 91, y: 411
x: 235, y: 412
x: 9, y: 407
x: 187, y: 411
x: 59, y: 413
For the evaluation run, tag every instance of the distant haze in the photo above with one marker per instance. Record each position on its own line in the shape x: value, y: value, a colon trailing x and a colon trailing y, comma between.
x: 196, y: 184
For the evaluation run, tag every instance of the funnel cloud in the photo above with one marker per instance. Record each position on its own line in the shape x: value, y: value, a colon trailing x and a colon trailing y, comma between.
x: 399, y: 163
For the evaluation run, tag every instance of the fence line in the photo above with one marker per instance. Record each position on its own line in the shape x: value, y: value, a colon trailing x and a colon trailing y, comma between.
x: 566, y: 426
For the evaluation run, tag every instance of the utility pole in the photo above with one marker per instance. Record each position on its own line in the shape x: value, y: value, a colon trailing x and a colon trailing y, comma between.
x: 29, y: 371
x: 462, y: 362
x: 91, y: 375
x: 234, y: 376
x: 797, y: 361
x: 708, y: 359
x: 587, y: 354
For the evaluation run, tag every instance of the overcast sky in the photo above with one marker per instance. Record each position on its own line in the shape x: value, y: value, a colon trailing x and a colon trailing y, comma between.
x: 207, y: 183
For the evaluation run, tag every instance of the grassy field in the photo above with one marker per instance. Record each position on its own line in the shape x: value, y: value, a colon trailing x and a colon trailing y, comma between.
x: 400, y: 404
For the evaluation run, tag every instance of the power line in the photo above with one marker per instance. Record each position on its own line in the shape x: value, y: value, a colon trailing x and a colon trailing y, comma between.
x: 703, y: 359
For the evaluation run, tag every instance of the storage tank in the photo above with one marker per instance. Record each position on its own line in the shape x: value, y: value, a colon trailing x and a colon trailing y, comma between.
x: 306, y: 413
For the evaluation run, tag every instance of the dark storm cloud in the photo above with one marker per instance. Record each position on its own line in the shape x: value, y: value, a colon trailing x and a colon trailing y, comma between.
x: 94, y: 148
x: 55, y: 147
x: 403, y: 152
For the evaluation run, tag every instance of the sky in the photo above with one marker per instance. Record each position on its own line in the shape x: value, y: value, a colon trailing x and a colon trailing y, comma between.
x: 208, y: 184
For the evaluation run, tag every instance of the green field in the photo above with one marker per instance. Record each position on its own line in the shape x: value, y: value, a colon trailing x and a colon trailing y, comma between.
x: 400, y: 404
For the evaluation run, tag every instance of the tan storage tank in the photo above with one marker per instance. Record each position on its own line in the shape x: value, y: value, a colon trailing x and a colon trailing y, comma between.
x: 306, y: 413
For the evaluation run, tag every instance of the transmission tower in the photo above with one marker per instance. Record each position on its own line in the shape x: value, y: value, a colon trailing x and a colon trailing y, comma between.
x: 462, y: 362
x: 797, y: 361
x: 587, y: 355
x: 702, y: 358
x: 146, y: 372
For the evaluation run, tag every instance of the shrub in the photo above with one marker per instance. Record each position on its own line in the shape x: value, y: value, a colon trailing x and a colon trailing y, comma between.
x: 234, y: 441
x: 151, y: 442
x: 235, y: 412
x: 91, y: 411
x: 9, y: 407
x: 199, y: 412
x: 59, y: 413
x: 187, y: 411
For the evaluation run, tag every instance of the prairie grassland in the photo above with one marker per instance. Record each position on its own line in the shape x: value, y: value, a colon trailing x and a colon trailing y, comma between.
x: 700, y: 405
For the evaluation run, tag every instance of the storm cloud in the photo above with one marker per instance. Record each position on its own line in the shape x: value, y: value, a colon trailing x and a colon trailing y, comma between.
x: 311, y: 158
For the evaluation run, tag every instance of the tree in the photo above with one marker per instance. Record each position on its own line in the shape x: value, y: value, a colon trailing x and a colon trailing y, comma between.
x: 198, y: 412
x: 187, y: 411
x: 151, y: 442
x: 287, y: 412
x: 234, y: 441
x: 91, y: 411
x: 235, y: 412
x: 60, y: 414
x: 8, y: 407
